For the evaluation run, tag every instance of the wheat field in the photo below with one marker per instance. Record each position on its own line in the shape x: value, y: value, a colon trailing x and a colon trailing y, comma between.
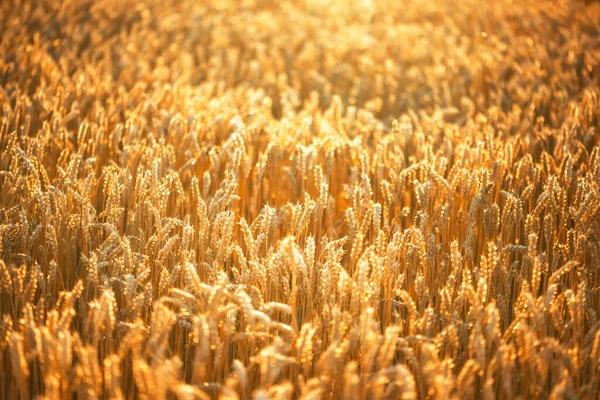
x: 299, y: 199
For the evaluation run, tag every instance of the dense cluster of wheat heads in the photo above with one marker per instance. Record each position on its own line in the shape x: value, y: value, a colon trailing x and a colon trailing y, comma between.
x: 299, y: 199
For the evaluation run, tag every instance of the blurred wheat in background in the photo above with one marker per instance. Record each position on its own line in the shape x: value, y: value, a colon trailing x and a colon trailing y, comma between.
x: 299, y: 199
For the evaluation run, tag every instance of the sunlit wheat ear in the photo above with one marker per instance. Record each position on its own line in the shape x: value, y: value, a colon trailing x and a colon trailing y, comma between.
x: 5, y: 277
x: 18, y: 361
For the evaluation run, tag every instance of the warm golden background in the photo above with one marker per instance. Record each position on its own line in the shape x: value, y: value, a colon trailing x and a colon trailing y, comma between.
x: 309, y: 199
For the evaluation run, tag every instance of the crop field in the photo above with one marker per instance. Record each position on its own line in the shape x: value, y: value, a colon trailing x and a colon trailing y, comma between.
x: 299, y: 199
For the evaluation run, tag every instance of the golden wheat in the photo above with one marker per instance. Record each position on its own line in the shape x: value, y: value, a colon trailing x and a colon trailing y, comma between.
x: 258, y: 199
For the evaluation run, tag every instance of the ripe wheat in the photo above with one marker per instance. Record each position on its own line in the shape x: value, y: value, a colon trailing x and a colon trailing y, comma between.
x: 259, y: 199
